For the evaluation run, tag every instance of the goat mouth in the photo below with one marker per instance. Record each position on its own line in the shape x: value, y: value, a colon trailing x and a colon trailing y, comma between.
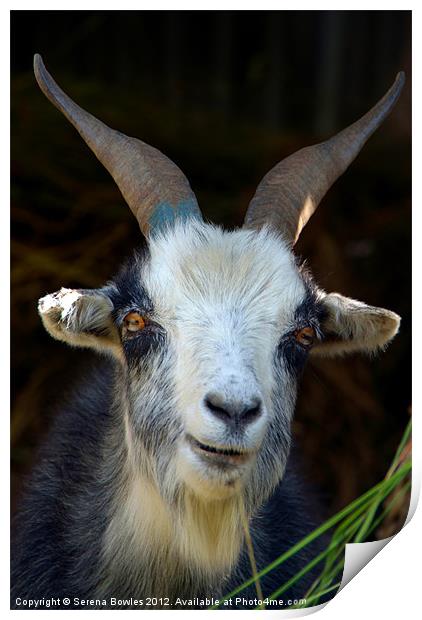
x: 222, y: 455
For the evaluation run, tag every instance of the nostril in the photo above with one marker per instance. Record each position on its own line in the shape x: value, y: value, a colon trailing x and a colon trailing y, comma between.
x: 234, y: 412
x: 211, y: 404
x: 252, y: 412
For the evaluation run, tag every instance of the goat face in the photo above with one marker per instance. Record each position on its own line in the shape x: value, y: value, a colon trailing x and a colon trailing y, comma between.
x: 212, y: 328
x: 227, y: 320
x: 223, y: 302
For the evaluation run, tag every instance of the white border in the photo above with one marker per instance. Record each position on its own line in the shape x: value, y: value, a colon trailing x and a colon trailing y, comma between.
x: 389, y: 586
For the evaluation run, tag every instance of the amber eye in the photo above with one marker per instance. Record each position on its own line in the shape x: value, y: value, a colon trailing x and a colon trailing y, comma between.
x: 305, y: 336
x: 133, y: 322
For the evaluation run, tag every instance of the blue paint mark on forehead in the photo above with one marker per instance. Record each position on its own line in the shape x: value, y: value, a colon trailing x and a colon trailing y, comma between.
x: 166, y: 214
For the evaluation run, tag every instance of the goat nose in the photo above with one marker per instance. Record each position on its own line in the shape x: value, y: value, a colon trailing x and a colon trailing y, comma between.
x: 231, y: 411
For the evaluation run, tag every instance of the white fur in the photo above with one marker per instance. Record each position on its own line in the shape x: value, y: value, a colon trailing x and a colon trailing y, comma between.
x: 224, y: 299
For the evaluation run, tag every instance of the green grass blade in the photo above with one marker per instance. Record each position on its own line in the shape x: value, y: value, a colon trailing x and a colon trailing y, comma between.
x: 359, y: 514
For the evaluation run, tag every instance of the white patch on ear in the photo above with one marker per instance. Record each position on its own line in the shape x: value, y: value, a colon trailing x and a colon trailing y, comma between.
x: 353, y: 326
x: 80, y: 318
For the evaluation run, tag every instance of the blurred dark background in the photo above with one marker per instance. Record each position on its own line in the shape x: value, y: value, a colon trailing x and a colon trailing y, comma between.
x: 226, y: 95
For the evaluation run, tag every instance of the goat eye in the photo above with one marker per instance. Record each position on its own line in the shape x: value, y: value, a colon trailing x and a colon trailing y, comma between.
x: 133, y: 322
x: 305, y: 336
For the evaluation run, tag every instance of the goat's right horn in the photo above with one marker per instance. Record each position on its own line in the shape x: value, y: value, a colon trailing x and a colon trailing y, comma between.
x: 155, y: 189
x: 290, y: 193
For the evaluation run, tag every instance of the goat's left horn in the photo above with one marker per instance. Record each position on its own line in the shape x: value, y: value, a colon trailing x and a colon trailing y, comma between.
x: 155, y: 189
x: 290, y: 193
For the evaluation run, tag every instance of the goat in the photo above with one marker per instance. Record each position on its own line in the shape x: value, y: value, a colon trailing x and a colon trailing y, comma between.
x: 185, y: 423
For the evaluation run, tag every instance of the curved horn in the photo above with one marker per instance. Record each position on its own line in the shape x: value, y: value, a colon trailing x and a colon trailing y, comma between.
x: 155, y: 189
x: 290, y: 193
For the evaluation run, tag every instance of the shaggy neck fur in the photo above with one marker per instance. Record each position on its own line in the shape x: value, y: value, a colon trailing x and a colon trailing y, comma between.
x: 164, y: 550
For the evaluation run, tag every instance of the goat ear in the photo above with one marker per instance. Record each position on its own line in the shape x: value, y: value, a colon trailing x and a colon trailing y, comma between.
x: 81, y: 318
x: 351, y: 325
